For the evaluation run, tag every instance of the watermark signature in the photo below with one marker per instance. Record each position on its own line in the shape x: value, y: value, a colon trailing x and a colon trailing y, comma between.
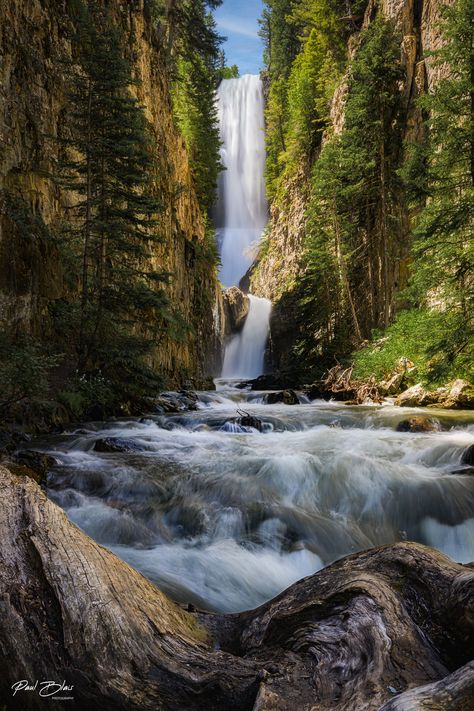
x: 45, y: 689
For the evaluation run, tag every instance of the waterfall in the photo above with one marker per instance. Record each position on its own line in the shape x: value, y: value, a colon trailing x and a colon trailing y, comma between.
x: 241, y: 212
x: 245, y: 353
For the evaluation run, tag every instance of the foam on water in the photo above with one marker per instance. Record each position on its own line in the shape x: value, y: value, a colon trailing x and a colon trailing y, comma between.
x: 226, y: 516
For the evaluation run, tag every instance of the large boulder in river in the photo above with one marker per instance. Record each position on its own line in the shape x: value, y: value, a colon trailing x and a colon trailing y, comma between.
x: 236, y: 305
x: 419, y: 423
x: 111, y: 445
x: 287, y: 397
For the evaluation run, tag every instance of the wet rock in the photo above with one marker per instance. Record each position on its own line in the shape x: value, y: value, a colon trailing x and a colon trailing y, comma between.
x: 236, y: 305
x: 38, y: 462
x: 271, y: 381
x: 420, y: 423
x: 288, y: 397
x: 182, y: 401
x: 247, y: 420
x: 468, y: 456
x: 109, y: 445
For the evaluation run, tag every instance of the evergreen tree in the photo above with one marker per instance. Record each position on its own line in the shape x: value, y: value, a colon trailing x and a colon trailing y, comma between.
x: 114, y: 225
x: 440, y: 177
x: 352, y: 228
x: 197, y: 64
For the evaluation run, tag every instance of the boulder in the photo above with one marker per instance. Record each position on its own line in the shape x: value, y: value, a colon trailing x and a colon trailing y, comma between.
x: 420, y: 423
x: 287, y: 397
x: 38, y: 462
x: 460, y: 396
x: 468, y: 456
x: 236, y: 305
x: 392, y: 385
x: 247, y: 420
x: 182, y: 401
x: 417, y: 396
x: 110, y: 445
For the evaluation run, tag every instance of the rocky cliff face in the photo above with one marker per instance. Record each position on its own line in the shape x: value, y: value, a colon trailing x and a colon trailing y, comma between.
x: 418, y: 23
x: 34, y: 35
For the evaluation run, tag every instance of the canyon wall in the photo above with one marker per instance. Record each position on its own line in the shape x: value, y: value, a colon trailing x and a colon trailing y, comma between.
x: 35, y: 39
x: 279, y: 265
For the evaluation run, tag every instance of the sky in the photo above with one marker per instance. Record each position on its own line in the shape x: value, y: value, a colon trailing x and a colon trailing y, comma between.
x: 238, y: 21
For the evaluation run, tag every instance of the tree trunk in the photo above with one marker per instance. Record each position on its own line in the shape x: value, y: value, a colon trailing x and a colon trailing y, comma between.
x: 360, y: 635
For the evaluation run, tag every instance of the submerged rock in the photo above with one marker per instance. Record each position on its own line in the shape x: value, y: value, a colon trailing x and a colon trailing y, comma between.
x: 110, y: 445
x: 468, y: 456
x: 419, y: 423
x: 247, y: 420
x: 287, y: 397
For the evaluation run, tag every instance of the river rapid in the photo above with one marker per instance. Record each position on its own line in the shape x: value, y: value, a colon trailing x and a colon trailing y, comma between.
x: 225, y: 516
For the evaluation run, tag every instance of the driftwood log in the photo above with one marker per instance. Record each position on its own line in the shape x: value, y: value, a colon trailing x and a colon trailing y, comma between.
x: 389, y: 629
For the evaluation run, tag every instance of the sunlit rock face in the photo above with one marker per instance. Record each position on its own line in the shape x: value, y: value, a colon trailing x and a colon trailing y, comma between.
x: 33, y: 112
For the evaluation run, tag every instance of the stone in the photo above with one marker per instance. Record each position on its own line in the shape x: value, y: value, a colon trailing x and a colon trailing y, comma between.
x: 419, y: 423
x: 237, y: 305
x: 468, y: 456
x: 392, y: 385
x: 38, y: 462
x: 460, y: 396
x: 287, y: 397
x: 417, y: 396
x: 110, y: 445
x: 247, y: 420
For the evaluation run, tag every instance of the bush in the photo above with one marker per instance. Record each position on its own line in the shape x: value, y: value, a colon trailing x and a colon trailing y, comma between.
x: 435, y: 341
x: 24, y: 370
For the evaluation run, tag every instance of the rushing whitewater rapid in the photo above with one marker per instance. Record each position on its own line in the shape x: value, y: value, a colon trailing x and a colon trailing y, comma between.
x: 226, y: 516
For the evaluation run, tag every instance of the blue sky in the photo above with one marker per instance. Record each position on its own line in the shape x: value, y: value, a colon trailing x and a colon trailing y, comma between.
x: 238, y: 21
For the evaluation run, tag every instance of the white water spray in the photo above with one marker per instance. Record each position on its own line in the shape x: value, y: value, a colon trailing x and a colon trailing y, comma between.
x: 244, y: 356
x: 241, y: 213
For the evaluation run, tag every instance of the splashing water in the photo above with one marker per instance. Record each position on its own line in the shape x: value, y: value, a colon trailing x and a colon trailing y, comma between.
x: 226, y: 517
x: 244, y: 356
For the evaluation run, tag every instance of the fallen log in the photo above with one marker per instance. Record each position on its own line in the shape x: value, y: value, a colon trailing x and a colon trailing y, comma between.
x: 386, y: 626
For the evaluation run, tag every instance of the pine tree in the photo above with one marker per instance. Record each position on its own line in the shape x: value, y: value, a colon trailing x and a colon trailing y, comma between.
x: 114, y: 225
x: 440, y: 176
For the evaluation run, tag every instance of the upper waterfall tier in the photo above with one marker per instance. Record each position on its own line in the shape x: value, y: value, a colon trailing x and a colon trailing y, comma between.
x: 241, y: 211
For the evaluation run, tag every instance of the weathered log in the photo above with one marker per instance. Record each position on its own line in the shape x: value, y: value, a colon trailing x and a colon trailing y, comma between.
x: 383, y: 627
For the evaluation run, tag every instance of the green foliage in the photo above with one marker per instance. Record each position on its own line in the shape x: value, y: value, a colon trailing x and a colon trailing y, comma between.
x: 113, y: 227
x: 305, y: 57
x: 24, y: 370
x: 197, y: 65
x: 427, y: 337
x: 231, y: 72
x: 351, y: 225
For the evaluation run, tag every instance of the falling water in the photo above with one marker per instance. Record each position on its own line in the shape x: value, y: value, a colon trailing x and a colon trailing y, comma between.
x: 244, y: 355
x: 241, y: 210
x: 241, y: 213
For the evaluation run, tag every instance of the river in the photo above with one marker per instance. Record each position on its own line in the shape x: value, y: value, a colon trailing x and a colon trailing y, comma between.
x: 225, y: 517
